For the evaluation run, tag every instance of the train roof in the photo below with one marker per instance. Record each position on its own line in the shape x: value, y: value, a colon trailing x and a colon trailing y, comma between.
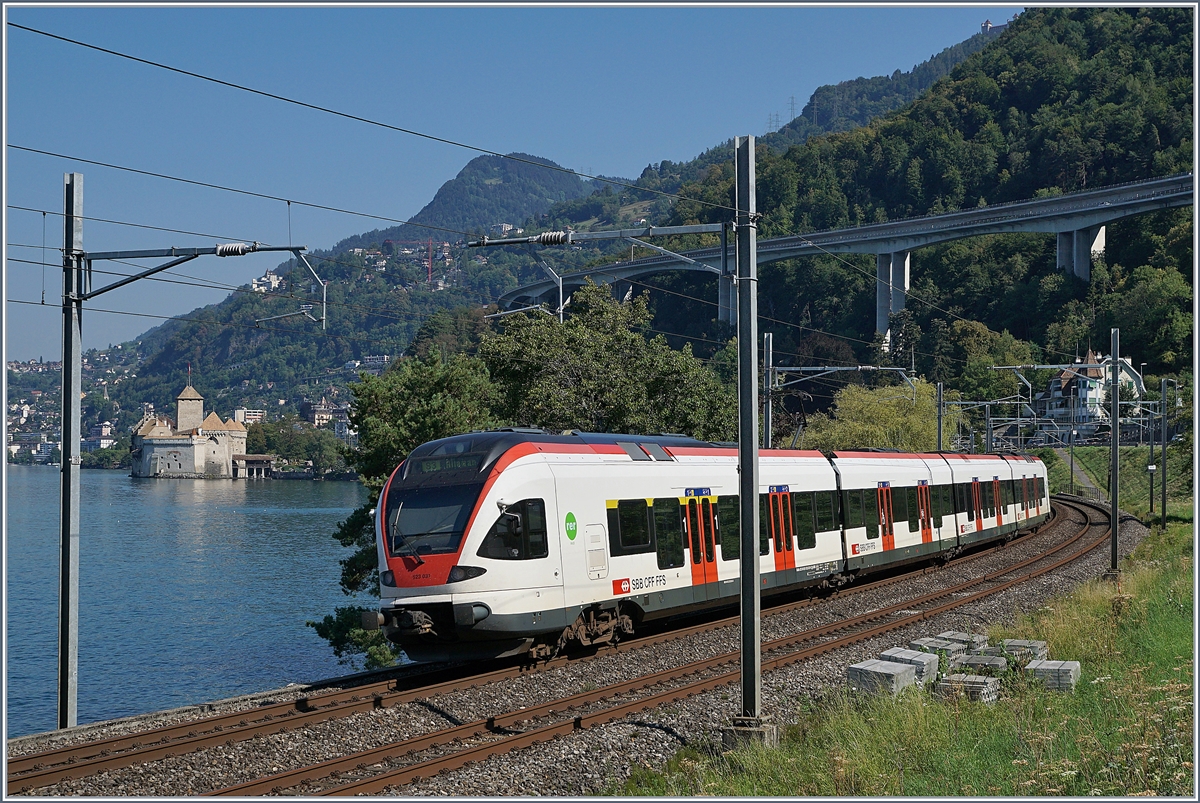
x: 463, y: 458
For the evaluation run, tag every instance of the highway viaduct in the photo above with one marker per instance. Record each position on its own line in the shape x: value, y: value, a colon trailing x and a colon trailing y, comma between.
x: 1078, y: 219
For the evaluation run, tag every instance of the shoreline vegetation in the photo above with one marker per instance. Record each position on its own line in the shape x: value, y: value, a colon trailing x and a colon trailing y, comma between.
x: 1125, y: 730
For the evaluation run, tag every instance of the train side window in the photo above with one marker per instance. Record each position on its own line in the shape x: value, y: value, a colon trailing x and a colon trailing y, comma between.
x: 518, y: 534
x: 936, y: 504
x: 729, y: 525
x: 899, y: 505
x: 853, y: 508
x: 806, y: 537
x: 764, y: 525
x: 629, y: 527
x: 914, y: 509
x: 1041, y: 488
x: 668, y: 532
x: 871, y: 511
x: 823, y: 505
x: 988, y: 502
x: 947, y: 493
x: 966, y: 500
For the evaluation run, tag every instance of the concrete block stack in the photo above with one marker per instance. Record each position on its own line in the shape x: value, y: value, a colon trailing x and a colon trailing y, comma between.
x: 880, y: 677
x: 980, y: 664
x: 926, y: 663
x: 974, y: 687
x: 972, y: 641
x: 1018, y: 648
x: 1055, y: 675
x: 942, y: 646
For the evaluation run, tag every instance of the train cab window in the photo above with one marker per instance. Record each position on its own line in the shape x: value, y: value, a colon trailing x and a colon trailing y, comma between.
x: 914, y: 509
x: 518, y: 534
x: 629, y: 522
x: 668, y: 532
x: 806, y: 534
x: 729, y: 525
x: 852, y: 506
x: 871, y: 511
x: 823, y: 505
x: 899, y: 505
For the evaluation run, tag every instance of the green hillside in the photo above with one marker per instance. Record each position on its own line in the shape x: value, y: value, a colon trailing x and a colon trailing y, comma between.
x: 489, y: 190
x: 1064, y: 99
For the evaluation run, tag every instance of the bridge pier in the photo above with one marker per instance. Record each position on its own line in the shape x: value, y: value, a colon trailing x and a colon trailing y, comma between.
x: 727, y: 299
x: 892, y: 278
x: 1077, y: 249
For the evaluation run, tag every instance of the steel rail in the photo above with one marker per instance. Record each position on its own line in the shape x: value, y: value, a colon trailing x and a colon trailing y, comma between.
x: 340, y: 766
x: 49, y: 767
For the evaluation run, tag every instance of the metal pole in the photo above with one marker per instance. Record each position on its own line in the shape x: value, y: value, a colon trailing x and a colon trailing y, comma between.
x: 940, y: 409
x: 987, y: 435
x: 1150, y: 466
x: 72, y: 368
x: 747, y: 282
x: 1163, y: 476
x: 1114, y: 455
x: 1072, y: 462
x: 768, y: 375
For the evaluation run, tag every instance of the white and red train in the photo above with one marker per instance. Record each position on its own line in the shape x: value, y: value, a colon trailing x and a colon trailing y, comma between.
x: 512, y: 541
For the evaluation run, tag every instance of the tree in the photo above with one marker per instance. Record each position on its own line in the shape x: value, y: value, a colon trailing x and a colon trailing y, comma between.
x: 599, y: 372
x: 895, y: 417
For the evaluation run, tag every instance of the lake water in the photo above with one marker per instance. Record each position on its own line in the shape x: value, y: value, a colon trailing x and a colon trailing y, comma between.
x: 189, y: 590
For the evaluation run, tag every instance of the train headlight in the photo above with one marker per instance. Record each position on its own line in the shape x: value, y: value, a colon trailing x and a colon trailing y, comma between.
x: 460, y: 573
x: 387, y: 578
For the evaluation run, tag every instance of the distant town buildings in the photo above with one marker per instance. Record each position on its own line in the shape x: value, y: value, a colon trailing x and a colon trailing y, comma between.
x: 268, y: 283
x: 244, y: 416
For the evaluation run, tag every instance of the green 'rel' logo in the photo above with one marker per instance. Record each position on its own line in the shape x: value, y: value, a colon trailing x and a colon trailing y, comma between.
x: 572, y: 527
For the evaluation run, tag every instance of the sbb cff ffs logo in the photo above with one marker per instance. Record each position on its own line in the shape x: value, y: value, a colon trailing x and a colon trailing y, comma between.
x: 621, y: 586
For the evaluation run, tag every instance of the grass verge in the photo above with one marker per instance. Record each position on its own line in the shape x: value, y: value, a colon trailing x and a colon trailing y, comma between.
x: 1126, y: 730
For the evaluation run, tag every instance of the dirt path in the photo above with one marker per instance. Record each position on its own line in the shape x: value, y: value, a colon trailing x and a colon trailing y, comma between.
x: 1082, y: 480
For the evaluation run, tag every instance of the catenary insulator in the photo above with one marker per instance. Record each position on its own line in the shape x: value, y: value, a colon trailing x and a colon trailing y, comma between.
x: 554, y: 238
x: 232, y: 249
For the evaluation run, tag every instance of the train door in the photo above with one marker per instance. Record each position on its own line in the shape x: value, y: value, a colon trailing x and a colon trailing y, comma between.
x: 924, y: 511
x: 998, y: 496
x: 977, y: 502
x: 886, y: 519
x: 597, y: 551
x: 779, y: 509
x: 701, y: 534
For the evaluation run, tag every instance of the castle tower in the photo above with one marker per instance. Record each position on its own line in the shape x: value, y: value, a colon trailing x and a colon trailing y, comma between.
x: 189, y: 410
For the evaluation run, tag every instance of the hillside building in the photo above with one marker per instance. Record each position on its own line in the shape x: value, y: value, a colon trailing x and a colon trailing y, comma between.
x: 194, y: 446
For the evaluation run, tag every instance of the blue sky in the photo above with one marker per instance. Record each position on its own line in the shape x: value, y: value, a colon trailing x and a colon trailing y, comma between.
x: 600, y: 90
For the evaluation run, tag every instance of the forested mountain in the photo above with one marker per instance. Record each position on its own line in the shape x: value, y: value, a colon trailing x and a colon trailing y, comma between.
x: 489, y: 190
x: 1064, y: 99
x: 850, y: 104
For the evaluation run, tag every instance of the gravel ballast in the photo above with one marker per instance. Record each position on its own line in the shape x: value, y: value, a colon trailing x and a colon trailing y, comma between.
x: 591, y: 761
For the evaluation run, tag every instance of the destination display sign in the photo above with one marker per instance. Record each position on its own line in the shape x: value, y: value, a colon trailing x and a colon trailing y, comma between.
x: 458, y: 462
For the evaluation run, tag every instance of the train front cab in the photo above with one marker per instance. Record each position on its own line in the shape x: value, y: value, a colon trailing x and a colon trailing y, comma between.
x: 473, y: 565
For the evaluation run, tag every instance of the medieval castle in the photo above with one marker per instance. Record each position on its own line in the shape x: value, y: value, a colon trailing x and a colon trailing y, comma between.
x: 191, y: 447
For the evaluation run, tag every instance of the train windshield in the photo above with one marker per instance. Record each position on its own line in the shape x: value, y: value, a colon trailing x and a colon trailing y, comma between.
x: 428, y: 520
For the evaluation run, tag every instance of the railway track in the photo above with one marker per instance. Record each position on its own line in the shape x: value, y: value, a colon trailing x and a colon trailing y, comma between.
x: 497, y: 733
